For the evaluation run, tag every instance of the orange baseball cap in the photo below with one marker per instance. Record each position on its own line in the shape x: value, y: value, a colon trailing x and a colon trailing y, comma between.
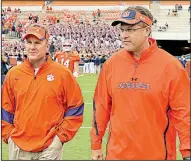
x: 132, y: 17
x: 37, y: 30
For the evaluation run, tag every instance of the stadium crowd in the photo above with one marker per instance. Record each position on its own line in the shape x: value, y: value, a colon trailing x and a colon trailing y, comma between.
x: 90, y: 37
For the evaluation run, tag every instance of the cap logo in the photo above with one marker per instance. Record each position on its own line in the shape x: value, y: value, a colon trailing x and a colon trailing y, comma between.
x: 126, y: 14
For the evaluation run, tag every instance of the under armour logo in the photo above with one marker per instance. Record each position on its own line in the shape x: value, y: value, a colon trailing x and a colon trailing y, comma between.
x: 134, y: 79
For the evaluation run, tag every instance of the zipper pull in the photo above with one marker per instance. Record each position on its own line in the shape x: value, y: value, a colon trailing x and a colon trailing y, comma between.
x: 136, y: 64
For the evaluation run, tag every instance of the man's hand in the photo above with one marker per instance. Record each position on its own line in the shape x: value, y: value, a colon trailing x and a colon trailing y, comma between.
x: 187, y: 158
x: 97, y: 155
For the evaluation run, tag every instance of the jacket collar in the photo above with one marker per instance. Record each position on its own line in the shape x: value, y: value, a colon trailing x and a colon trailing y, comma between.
x: 42, y: 67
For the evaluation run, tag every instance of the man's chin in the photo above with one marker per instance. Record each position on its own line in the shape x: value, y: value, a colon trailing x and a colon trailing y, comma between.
x: 130, y: 49
x: 32, y: 58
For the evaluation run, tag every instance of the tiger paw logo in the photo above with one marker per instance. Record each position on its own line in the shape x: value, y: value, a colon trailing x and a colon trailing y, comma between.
x: 50, y: 77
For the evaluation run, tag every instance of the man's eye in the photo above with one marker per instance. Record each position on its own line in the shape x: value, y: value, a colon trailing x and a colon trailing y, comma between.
x: 129, y: 30
x: 28, y: 42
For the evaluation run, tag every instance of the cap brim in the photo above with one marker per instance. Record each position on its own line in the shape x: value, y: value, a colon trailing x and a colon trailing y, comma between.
x: 129, y: 22
x: 35, y: 34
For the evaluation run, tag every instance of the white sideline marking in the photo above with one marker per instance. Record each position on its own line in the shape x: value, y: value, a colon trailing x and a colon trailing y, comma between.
x: 88, y: 127
x: 87, y: 84
x: 81, y: 75
x: 87, y: 91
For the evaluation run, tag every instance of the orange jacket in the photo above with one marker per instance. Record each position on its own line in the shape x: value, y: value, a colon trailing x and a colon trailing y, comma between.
x: 35, y: 108
x: 67, y: 60
x: 188, y: 68
x: 146, y: 102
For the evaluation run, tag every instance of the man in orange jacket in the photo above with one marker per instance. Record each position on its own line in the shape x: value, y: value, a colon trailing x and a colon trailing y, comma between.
x: 145, y: 94
x: 42, y: 104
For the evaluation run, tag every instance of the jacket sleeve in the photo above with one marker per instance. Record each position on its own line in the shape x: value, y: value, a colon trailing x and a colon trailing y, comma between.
x: 7, y: 109
x: 179, y: 100
x: 74, y: 104
x: 101, y: 109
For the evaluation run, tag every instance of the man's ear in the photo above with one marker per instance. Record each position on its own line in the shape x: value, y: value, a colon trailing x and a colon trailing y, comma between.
x: 148, y: 31
x: 47, y: 47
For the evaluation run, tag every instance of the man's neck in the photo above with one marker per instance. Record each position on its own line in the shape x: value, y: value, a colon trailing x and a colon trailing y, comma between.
x: 38, y: 64
x: 137, y: 53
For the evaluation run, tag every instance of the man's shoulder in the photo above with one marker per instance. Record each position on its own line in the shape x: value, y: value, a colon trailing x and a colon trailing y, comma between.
x: 15, y: 70
x: 117, y: 55
x: 168, y: 59
x: 58, y: 67
x: 165, y: 56
x: 74, y: 56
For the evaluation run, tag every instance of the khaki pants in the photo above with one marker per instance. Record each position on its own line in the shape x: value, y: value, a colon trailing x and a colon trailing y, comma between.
x: 53, y: 152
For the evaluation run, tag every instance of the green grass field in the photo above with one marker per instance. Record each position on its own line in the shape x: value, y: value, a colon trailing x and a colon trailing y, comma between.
x: 79, y: 147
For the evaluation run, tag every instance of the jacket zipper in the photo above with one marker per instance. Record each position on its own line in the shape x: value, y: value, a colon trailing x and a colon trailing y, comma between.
x: 166, y: 155
x: 109, y: 136
x: 95, y: 122
x: 135, y: 71
x: 35, y: 75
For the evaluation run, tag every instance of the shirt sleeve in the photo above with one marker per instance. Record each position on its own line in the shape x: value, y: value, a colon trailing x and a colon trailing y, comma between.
x: 73, y: 116
x: 179, y: 101
x: 7, y: 109
x: 101, y: 109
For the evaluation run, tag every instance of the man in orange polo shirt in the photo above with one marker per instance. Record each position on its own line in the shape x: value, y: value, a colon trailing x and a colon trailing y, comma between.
x: 42, y: 104
x: 145, y: 94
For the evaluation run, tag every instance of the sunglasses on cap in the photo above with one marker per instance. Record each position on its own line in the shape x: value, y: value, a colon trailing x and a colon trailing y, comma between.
x: 132, y: 17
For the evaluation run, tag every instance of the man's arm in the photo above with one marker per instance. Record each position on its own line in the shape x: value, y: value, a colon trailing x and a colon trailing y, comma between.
x: 7, y: 109
x: 179, y: 101
x: 101, y: 112
x: 76, y: 69
x: 73, y: 116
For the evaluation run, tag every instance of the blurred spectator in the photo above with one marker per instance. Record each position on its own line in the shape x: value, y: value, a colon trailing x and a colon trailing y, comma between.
x: 168, y: 12
x: 36, y: 19
x: 183, y: 61
x: 166, y: 25
x: 102, y: 60
x: 86, y: 64
x: 19, y: 59
x: 52, y: 49
x: 94, y: 15
x: 97, y: 64
x: 91, y: 64
x: 98, y: 13
x: 30, y: 16
x: 175, y: 12
x: 4, y: 68
x: 9, y: 9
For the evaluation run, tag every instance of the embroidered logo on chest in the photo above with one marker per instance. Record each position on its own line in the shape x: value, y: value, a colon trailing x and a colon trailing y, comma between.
x: 50, y: 77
